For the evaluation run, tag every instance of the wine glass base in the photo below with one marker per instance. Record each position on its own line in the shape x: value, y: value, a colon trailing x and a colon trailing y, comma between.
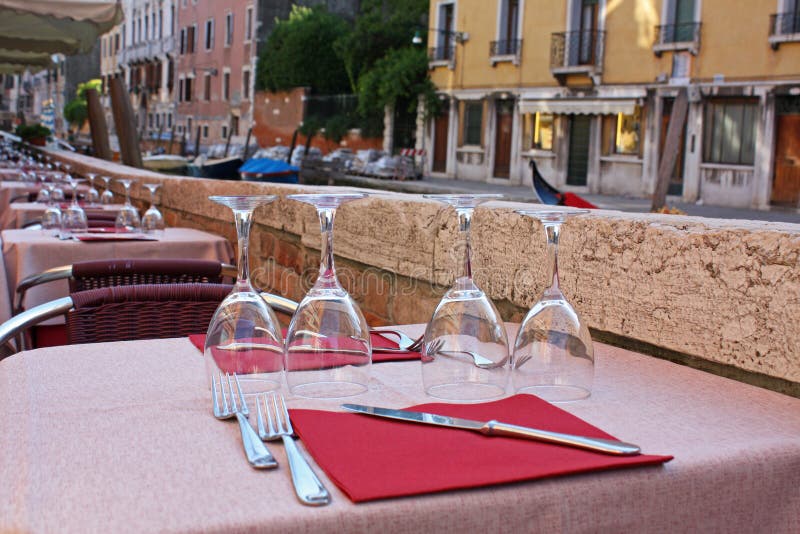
x: 328, y: 390
x: 255, y: 384
x: 561, y: 393
x: 465, y: 391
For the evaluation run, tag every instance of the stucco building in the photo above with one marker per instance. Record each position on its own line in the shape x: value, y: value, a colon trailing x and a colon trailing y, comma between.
x: 585, y: 88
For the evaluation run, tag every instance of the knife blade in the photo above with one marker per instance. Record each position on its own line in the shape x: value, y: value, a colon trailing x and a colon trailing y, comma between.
x: 496, y: 428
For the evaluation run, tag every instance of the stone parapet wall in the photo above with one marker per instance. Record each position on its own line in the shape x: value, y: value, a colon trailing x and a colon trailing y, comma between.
x: 720, y: 291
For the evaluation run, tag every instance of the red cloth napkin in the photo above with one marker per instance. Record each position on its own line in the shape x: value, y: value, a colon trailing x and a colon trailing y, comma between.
x: 371, y: 458
x: 263, y: 361
x: 102, y: 236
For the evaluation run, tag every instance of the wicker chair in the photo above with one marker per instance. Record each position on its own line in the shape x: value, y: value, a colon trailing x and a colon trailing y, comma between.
x: 131, y: 312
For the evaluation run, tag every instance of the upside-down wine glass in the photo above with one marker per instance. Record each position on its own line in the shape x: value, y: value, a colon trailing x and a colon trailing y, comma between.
x: 51, y: 218
x: 553, y: 355
x: 328, y: 351
x: 73, y: 219
x: 92, y: 196
x: 107, y: 197
x: 244, y: 336
x: 128, y: 216
x: 152, y: 221
x: 465, y: 353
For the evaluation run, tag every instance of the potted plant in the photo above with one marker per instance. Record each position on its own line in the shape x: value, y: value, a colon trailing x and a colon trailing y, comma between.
x: 35, y: 134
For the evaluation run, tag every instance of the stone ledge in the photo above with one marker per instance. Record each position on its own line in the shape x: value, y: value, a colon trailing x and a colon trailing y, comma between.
x: 725, y: 291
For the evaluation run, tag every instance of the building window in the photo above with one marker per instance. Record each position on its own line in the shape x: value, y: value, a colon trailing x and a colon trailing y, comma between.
x: 189, y: 125
x: 224, y: 132
x: 160, y: 24
x: 444, y: 35
x: 191, y: 38
x: 622, y: 133
x: 226, y: 86
x: 471, y: 133
x: 228, y: 29
x: 187, y: 85
x: 183, y: 41
x: 730, y: 131
x: 537, y: 131
x: 205, y: 131
x: 209, y: 34
x: 169, y: 120
x: 207, y: 87
x: 180, y: 89
x: 234, y: 125
x: 248, y: 24
x: 246, y: 84
x: 507, y: 43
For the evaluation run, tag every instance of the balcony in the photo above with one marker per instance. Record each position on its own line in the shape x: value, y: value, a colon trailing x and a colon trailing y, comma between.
x: 672, y: 37
x: 783, y: 28
x: 579, y: 52
x: 442, y: 55
x: 147, y: 50
x: 508, y: 50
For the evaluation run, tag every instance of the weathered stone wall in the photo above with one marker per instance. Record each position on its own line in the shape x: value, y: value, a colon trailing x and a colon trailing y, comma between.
x: 721, y: 291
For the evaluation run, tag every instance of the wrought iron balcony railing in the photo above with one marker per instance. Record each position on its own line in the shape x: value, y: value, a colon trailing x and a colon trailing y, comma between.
x: 688, y: 32
x: 784, y: 23
x: 575, y: 49
x: 509, y: 47
x: 441, y: 53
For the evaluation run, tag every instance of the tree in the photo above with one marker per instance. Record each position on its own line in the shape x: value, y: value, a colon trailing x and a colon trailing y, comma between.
x: 298, y: 53
x: 76, y: 111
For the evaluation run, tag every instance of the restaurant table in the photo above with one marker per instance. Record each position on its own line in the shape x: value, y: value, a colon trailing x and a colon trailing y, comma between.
x: 22, y: 213
x: 28, y: 252
x: 119, y: 437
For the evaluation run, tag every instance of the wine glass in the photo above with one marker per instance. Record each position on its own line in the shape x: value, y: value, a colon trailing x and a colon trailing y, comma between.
x: 465, y: 351
x: 128, y: 216
x: 107, y: 197
x: 93, y: 196
x: 51, y: 218
x: 328, y: 349
x: 244, y: 336
x: 57, y: 191
x: 553, y: 355
x: 74, y: 219
x: 152, y: 221
x: 44, y: 192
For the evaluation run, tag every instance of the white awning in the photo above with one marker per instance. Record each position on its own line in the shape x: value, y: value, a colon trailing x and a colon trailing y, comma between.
x: 579, y: 107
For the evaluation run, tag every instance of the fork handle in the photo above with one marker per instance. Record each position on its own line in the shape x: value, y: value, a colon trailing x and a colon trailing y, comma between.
x: 307, y: 485
x: 257, y: 453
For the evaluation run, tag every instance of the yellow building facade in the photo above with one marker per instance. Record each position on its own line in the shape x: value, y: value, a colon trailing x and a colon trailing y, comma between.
x: 591, y: 91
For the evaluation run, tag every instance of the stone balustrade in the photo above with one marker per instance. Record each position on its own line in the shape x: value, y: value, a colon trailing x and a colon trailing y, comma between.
x: 723, y: 295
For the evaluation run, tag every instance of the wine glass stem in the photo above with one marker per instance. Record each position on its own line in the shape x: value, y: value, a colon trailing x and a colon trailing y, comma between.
x: 327, y: 269
x: 243, y: 222
x: 152, y: 198
x: 553, y: 229
x: 465, y: 222
x: 128, y: 195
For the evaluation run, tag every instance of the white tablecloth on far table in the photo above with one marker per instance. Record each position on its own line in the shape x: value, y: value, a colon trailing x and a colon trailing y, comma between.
x: 119, y: 437
x: 28, y: 252
x: 22, y: 213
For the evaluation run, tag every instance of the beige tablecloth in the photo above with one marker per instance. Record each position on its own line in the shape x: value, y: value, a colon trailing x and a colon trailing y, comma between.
x: 9, y: 190
x: 28, y: 252
x: 119, y: 438
x: 22, y: 213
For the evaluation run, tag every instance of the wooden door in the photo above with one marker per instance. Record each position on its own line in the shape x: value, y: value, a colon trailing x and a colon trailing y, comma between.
x: 502, y: 136
x: 578, y: 161
x: 440, y: 130
x: 786, y: 181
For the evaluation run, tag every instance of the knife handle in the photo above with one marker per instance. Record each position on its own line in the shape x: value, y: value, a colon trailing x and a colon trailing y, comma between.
x: 607, y: 446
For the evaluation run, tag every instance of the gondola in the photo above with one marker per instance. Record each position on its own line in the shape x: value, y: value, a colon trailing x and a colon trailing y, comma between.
x: 550, y: 195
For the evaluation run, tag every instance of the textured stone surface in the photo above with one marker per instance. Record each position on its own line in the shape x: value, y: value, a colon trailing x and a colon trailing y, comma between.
x: 724, y: 291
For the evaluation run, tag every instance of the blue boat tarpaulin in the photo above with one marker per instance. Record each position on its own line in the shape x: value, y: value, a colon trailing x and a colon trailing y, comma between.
x: 269, y: 170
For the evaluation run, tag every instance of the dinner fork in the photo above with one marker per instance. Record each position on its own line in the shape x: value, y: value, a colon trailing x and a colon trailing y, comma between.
x: 405, y: 343
x: 257, y: 453
x: 307, y: 485
x: 435, y: 348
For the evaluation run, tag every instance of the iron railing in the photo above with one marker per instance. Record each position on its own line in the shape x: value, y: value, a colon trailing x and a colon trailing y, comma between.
x: 441, y: 53
x: 509, y: 47
x: 573, y: 49
x: 688, y: 32
x: 784, y: 23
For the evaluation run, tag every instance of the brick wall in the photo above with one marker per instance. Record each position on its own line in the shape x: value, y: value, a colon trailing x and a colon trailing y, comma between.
x: 713, y: 293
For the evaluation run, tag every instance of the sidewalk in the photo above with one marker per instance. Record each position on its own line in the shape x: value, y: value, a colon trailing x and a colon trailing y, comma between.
x: 525, y: 194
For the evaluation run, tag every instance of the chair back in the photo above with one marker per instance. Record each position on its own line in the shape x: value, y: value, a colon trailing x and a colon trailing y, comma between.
x: 150, y: 311
x: 126, y: 272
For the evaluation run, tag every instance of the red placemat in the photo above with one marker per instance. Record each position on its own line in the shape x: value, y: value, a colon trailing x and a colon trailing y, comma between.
x: 371, y: 458
x: 246, y: 361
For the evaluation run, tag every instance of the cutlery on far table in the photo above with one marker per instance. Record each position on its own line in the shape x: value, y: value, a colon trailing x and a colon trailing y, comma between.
x: 496, y: 428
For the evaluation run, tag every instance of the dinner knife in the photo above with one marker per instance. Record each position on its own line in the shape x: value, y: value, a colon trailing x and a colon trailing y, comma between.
x: 496, y: 428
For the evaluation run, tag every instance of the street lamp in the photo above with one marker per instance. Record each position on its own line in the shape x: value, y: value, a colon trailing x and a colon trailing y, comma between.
x: 459, y: 37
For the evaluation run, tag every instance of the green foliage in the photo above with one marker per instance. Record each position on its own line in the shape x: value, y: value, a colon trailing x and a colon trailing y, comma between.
x: 31, y: 131
x: 310, y: 126
x: 336, y: 127
x: 298, y: 53
x: 76, y: 112
x: 95, y: 84
x: 402, y: 75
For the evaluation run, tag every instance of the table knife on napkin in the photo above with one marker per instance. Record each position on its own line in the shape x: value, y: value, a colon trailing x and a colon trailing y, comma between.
x: 496, y: 428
